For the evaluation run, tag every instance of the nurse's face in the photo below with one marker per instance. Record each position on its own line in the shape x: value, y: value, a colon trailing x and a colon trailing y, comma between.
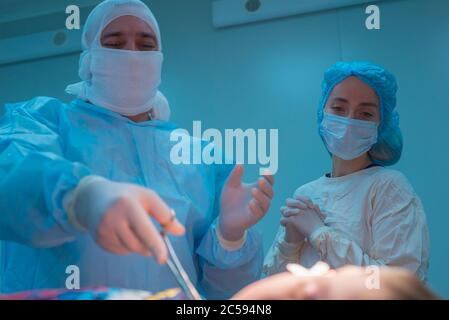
x: 352, y: 98
x: 129, y: 33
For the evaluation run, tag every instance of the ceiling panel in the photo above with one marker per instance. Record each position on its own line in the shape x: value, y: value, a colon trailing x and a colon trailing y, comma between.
x: 234, y: 12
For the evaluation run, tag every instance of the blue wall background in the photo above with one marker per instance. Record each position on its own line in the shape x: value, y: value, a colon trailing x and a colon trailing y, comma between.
x: 268, y: 75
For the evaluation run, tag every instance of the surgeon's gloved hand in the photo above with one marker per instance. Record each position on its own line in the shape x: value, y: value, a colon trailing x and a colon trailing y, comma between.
x: 117, y: 215
x: 301, y: 217
x: 243, y: 205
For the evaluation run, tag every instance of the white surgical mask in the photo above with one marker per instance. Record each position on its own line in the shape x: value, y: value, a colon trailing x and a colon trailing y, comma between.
x: 347, y: 138
x: 124, y: 81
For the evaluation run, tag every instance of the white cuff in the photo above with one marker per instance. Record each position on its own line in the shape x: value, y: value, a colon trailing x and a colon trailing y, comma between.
x: 290, y: 249
x: 317, y: 236
x: 69, y: 200
x: 230, y: 245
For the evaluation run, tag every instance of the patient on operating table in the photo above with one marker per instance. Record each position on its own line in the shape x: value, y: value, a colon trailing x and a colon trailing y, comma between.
x: 317, y: 283
x: 346, y: 283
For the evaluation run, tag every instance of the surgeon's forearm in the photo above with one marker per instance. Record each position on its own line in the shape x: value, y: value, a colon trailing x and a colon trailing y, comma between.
x: 227, y: 244
x: 223, y: 283
x: 224, y: 272
x: 31, y: 200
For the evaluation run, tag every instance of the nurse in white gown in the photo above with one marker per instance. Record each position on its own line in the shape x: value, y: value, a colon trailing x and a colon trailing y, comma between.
x: 361, y: 213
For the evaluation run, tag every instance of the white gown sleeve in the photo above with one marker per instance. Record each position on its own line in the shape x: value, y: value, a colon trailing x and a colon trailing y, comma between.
x: 280, y: 254
x: 399, y: 232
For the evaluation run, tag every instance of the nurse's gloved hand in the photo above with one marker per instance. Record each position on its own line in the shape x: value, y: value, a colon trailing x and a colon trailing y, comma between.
x: 243, y: 205
x: 292, y: 207
x: 301, y: 217
x: 118, y: 216
x: 291, y: 233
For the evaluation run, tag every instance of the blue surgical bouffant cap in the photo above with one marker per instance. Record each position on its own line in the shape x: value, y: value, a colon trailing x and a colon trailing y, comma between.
x: 387, y: 151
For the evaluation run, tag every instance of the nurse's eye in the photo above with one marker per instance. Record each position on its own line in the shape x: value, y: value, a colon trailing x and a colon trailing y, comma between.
x: 367, y: 115
x: 337, y: 109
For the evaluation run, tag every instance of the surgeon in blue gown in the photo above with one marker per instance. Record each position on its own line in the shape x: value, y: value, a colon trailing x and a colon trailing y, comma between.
x: 91, y: 183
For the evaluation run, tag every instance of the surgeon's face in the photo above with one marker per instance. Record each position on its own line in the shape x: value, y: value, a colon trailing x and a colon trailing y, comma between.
x: 352, y: 98
x: 129, y: 33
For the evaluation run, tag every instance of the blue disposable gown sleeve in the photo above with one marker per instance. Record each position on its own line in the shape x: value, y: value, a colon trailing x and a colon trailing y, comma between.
x: 225, y: 272
x: 34, y: 175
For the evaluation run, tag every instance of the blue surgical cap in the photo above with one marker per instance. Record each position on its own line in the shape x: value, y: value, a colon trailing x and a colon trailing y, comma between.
x: 388, y: 148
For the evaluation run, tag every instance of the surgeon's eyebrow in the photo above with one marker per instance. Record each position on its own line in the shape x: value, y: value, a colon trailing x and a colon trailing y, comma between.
x: 147, y: 35
x: 118, y: 34
x: 111, y: 34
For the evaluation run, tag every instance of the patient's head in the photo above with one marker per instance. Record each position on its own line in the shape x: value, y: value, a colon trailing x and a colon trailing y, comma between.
x: 350, y: 283
x: 347, y: 283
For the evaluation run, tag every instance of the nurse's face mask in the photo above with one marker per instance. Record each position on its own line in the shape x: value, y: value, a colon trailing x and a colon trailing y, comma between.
x: 351, y: 119
x: 126, y: 68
